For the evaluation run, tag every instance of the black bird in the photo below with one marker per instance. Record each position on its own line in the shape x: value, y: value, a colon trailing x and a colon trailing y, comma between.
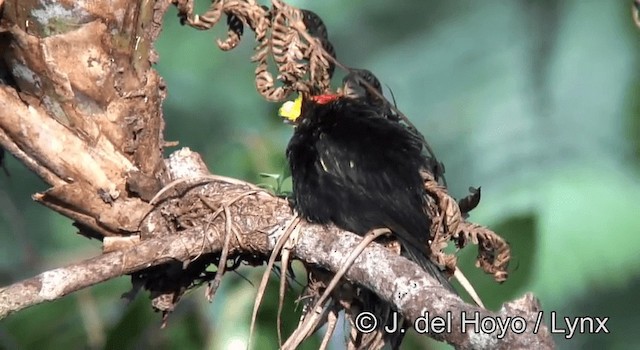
x: 355, y: 168
x: 354, y: 85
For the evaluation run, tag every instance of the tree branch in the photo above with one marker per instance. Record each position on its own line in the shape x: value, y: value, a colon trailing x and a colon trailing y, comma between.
x: 395, y: 279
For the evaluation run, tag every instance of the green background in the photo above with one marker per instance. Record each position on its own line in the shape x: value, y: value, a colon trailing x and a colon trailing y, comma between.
x: 535, y: 101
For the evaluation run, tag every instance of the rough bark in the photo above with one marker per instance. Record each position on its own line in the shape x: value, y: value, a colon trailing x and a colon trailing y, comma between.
x: 81, y: 106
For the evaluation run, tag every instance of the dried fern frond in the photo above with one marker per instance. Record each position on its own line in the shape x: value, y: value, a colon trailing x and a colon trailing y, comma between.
x: 294, y: 40
x: 494, y: 252
x: 449, y: 224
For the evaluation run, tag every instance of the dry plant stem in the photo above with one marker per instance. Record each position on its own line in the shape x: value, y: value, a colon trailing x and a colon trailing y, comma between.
x: 281, y: 293
x: 293, y: 225
x: 202, y: 179
x: 284, y: 267
x: 332, y: 322
x: 303, y: 331
x: 222, y: 264
x: 318, y: 310
x: 228, y: 228
x: 353, y: 335
x: 370, y: 237
x: 468, y: 287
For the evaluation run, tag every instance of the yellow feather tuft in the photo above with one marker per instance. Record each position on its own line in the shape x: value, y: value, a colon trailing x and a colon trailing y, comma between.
x: 291, y: 110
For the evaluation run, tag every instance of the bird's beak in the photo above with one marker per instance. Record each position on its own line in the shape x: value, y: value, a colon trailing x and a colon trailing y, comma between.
x: 290, y: 111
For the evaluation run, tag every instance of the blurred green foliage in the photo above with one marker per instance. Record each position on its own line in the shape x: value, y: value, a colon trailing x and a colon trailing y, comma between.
x: 534, y: 100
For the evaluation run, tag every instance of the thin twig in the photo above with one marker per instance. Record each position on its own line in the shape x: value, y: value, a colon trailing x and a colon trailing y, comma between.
x: 265, y: 276
x: 310, y: 322
x: 284, y: 266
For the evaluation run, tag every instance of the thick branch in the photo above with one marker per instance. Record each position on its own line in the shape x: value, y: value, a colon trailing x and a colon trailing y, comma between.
x: 54, y: 284
x: 395, y: 279
x: 416, y: 294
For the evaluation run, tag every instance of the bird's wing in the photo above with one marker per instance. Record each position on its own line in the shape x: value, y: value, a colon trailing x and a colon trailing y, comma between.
x: 376, y: 161
x: 370, y: 151
x: 373, y: 164
x: 378, y: 172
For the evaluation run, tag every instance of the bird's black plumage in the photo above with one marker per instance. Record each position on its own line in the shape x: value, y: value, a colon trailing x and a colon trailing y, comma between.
x: 362, y: 83
x: 355, y: 168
